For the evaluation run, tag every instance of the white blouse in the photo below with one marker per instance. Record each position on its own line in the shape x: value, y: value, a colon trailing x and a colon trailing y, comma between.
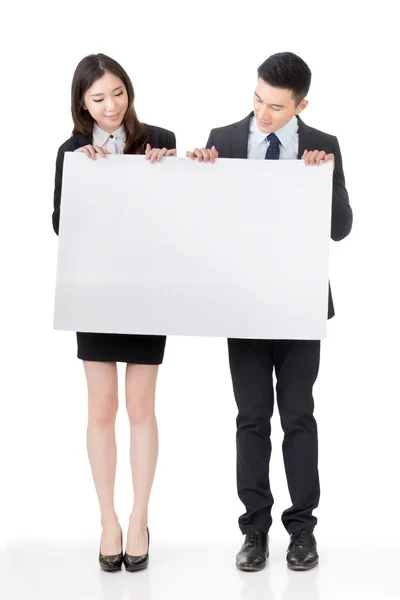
x: 113, y: 142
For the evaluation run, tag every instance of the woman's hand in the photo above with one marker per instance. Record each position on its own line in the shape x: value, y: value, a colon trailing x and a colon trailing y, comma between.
x: 156, y: 154
x: 91, y: 151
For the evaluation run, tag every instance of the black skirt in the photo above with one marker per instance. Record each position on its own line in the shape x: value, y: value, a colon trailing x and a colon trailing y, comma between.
x: 116, y: 347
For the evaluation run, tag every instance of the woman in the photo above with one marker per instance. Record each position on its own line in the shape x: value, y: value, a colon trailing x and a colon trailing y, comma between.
x: 105, y: 122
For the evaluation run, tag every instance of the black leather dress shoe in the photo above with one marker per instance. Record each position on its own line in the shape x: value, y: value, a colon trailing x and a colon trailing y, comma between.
x: 302, y: 552
x: 254, y: 552
x: 112, y: 562
x: 137, y: 563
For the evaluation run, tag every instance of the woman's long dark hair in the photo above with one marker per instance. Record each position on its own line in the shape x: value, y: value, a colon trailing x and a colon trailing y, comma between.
x: 90, y: 69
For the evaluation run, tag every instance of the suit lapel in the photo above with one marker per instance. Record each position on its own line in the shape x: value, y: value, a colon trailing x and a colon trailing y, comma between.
x: 84, y: 139
x: 239, y: 137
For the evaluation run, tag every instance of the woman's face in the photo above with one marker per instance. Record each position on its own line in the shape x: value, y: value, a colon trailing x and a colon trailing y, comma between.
x: 107, y: 102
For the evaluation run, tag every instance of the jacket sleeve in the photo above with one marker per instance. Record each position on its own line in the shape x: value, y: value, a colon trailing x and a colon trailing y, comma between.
x: 57, y: 190
x: 171, y: 141
x: 342, y: 214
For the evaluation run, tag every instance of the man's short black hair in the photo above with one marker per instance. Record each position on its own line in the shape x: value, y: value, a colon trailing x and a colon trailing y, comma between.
x: 289, y: 71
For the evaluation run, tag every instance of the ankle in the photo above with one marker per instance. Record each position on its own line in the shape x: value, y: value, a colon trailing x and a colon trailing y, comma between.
x: 138, y: 521
x: 110, y: 520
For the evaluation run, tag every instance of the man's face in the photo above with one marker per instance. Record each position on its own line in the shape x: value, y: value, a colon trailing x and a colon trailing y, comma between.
x: 274, y: 107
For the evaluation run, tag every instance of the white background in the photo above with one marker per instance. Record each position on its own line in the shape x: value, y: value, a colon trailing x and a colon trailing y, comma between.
x: 193, y: 66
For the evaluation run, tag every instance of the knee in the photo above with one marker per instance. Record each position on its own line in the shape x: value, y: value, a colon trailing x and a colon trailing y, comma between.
x: 298, y: 420
x: 139, y: 408
x: 103, y: 410
x: 296, y: 406
x: 260, y: 424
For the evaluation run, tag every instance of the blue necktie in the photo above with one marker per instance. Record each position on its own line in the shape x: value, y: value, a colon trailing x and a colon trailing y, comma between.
x: 272, y: 152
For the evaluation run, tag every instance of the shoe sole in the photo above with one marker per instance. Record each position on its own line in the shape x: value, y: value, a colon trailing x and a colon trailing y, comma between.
x: 110, y: 569
x: 250, y: 569
x: 307, y: 568
x: 134, y: 569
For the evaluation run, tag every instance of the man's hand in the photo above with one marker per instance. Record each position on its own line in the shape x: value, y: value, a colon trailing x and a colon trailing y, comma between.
x: 315, y: 157
x: 203, y: 154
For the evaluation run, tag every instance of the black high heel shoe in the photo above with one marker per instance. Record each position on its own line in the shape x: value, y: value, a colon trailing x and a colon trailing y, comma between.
x: 137, y: 563
x: 111, y: 562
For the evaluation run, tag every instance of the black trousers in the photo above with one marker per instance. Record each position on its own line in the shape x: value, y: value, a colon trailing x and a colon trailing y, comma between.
x: 296, y: 366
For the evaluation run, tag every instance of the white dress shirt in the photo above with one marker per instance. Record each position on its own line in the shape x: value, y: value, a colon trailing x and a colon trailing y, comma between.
x: 113, y: 142
x: 287, y: 135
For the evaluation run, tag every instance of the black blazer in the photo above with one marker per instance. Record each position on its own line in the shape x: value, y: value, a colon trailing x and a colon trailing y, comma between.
x: 157, y: 138
x: 231, y: 141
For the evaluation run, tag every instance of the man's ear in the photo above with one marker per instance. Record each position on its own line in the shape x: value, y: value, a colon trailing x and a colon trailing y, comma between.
x: 301, y: 106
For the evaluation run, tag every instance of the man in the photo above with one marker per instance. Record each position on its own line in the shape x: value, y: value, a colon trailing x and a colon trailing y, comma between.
x: 275, y: 131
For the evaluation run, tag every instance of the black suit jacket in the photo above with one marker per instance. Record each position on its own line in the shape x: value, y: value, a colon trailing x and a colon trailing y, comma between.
x: 157, y: 138
x: 231, y: 141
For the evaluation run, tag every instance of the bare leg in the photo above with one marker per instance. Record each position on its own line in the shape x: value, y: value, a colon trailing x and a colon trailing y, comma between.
x: 102, y: 380
x: 140, y: 403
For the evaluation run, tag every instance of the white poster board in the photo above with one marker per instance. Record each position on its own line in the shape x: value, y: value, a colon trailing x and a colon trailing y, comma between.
x: 239, y: 248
